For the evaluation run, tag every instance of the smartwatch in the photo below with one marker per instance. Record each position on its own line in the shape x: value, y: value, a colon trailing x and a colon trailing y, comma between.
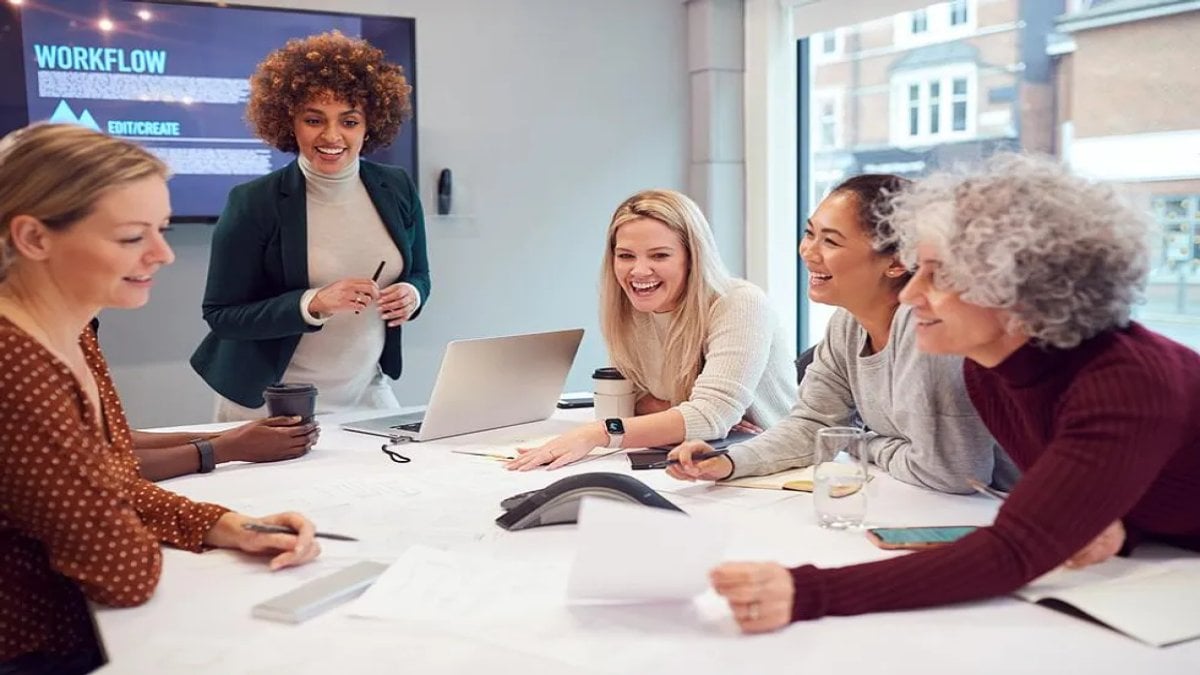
x: 616, y: 432
x: 208, y: 459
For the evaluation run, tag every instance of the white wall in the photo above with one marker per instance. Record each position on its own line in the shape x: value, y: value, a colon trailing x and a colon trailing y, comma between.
x: 549, y: 112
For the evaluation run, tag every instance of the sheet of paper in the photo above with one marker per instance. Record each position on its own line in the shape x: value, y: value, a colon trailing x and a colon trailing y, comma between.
x: 329, y: 494
x: 459, y: 591
x: 631, y: 554
x: 776, y: 481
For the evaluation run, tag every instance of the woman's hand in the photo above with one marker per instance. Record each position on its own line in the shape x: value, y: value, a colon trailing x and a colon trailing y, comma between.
x: 268, y: 440
x: 761, y: 595
x: 561, y: 450
x: 397, y: 303
x: 747, y: 426
x: 717, y: 468
x: 288, y: 550
x: 347, y: 295
x: 1103, y: 547
x: 648, y: 405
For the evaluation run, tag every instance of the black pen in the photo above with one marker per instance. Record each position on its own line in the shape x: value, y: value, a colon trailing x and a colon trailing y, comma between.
x: 284, y: 529
x: 374, y: 278
x: 695, y: 458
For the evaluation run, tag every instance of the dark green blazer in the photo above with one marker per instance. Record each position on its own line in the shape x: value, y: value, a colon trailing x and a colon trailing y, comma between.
x: 259, y: 270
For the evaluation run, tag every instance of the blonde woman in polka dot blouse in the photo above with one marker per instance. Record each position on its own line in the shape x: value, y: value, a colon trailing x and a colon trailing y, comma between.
x: 82, y: 217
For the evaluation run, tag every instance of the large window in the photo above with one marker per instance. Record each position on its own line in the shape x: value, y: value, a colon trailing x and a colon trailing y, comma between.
x: 934, y: 86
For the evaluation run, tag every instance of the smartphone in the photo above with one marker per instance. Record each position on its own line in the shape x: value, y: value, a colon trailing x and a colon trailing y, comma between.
x: 916, y: 538
x: 569, y: 401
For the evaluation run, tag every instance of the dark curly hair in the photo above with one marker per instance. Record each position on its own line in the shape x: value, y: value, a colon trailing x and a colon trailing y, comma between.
x: 305, y: 69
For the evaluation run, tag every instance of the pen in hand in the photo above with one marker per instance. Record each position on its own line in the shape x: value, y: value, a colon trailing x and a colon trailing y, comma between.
x: 375, y: 278
x: 695, y: 458
x: 283, y: 529
x: 987, y: 490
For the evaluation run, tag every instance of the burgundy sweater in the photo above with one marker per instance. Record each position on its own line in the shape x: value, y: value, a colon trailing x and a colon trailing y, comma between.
x: 1108, y: 430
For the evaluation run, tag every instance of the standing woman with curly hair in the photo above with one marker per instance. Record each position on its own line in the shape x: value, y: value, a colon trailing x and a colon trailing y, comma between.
x: 290, y: 288
x: 1030, y: 273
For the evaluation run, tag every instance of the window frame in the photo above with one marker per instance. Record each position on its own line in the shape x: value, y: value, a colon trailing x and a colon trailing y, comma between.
x: 938, y: 24
x: 902, y: 105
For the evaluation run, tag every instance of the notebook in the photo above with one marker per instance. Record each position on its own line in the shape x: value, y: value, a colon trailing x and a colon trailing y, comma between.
x: 800, y: 480
x: 1156, y: 602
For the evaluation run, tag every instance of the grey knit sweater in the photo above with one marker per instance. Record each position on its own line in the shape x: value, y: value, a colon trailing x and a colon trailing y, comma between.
x: 922, y: 427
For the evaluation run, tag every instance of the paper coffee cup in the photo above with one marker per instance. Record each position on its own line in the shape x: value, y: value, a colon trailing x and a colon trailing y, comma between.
x: 612, y: 393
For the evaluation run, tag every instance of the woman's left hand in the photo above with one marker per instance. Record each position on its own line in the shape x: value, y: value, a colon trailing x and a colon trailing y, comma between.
x: 760, y: 594
x: 397, y: 303
x: 747, y: 426
x: 289, y: 550
x: 561, y: 450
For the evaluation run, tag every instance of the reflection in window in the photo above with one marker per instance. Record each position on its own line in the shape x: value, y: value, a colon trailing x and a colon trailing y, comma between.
x: 827, y: 122
x: 958, y: 13
x: 935, y: 92
x: 829, y: 43
x: 914, y: 110
x: 919, y: 23
x: 959, y: 102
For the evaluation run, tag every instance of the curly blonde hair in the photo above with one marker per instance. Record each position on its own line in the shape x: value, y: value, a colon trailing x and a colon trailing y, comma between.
x: 327, y: 65
x: 1066, y: 257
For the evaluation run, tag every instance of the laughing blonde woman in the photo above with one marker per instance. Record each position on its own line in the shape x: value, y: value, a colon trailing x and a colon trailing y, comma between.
x: 704, y: 351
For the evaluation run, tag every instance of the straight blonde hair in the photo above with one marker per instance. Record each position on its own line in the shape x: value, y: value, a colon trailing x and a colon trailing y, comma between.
x: 706, y: 281
x: 57, y: 172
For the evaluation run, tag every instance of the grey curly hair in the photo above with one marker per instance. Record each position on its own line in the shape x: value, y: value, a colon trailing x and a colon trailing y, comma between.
x: 1066, y: 257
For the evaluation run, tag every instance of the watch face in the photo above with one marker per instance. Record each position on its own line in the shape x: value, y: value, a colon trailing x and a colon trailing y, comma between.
x: 614, y: 426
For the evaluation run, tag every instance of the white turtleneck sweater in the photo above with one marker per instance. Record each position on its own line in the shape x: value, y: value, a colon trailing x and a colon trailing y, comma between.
x: 346, y: 239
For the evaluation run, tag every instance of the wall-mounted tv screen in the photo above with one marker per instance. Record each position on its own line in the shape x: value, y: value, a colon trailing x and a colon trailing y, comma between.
x: 173, y: 77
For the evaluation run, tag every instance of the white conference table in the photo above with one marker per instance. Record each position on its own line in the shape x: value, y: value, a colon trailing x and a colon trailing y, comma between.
x: 199, y: 619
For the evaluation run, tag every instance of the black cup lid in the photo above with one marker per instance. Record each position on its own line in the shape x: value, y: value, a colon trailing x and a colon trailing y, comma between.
x: 292, y: 388
x: 607, y: 374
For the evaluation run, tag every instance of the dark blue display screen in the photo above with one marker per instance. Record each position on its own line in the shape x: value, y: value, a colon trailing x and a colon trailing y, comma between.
x: 173, y: 77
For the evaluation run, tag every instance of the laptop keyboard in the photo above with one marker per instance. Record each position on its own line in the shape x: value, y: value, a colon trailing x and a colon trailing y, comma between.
x: 411, y: 426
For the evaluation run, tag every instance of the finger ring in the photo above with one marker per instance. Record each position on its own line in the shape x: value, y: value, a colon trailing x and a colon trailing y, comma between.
x: 752, y: 611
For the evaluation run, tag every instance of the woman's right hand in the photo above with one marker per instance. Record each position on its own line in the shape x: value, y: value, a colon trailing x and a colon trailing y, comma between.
x: 347, y: 295
x: 717, y: 468
x: 268, y: 440
x: 285, y: 550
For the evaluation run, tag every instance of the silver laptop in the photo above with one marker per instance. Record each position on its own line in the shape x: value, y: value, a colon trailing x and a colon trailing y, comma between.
x: 487, y: 383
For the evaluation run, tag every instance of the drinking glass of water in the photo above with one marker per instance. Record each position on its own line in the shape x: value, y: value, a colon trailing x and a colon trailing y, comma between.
x: 840, y: 478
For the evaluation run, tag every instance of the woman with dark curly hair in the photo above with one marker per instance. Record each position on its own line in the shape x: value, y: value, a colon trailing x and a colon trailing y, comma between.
x: 294, y: 252
x: 1030, y: 273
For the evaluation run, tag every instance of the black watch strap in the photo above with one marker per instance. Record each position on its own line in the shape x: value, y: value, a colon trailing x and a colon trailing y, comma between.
x: 208, y: 458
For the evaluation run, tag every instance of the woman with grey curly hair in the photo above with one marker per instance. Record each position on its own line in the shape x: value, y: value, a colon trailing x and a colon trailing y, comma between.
x: 1030, y: 273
